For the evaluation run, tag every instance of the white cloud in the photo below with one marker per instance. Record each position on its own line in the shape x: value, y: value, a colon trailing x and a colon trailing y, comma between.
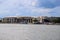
x: 18, y: 7
x: 55, y: 11
x: 33, y: 3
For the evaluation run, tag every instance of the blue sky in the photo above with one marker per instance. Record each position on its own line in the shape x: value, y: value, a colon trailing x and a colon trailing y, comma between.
x: 29, y: 8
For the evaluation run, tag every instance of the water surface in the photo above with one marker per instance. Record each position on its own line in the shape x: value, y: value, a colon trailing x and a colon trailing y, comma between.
x: 29, y: 32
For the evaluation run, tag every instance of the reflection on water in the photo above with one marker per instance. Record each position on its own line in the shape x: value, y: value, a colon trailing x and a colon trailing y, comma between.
x: 29, y: 32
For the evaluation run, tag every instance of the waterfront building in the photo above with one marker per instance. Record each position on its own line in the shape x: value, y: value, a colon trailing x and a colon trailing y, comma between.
x: 17, y: 19
x: 41, y: 19
x: 23, y: 19
x: 9, y: 20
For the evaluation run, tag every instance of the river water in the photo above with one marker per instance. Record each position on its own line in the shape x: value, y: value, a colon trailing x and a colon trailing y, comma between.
x: 29, y: 32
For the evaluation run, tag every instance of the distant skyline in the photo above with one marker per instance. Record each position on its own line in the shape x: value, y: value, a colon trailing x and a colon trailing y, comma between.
x: 29, y: 8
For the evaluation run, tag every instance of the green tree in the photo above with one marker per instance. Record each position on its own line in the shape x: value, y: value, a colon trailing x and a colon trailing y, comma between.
x: 56, y: 20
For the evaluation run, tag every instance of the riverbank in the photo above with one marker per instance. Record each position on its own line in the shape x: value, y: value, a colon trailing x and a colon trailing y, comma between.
x: 32, y: 24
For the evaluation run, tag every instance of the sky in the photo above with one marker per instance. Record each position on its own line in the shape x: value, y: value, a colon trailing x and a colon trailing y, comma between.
x: 29, y: 8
